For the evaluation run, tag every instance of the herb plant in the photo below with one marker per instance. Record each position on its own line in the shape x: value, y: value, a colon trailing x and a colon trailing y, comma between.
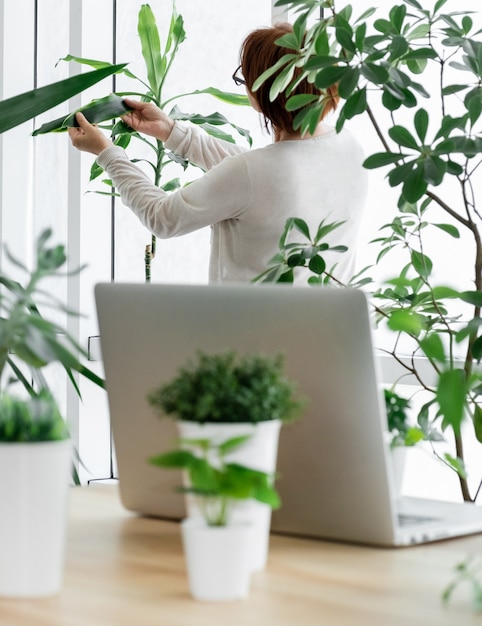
x: 216, y: 483
x: 221, y: 388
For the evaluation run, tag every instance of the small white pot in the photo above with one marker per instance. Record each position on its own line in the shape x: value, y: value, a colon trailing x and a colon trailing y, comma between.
x: 259, y: 453
x: 217, y: 559
x: 34, y: 482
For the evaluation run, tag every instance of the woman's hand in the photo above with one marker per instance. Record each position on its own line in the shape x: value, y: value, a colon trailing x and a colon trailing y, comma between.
x: 148, y: 119
x: 87, y: 137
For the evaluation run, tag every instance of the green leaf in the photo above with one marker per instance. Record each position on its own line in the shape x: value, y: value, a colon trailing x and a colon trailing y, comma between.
x: 433, y: 347
x: 421, y: 263
x: 421, y: 124
x: 19, y: 109
x: 95, y: 64
x: 398, y: 47
x: 151, y: 48
x: 374, y: 73
x: 286, y: 58
x: 99, y: 110
x: 300, y: 100
x: 472, y: 297
x: 451, y: 394
x: 434, y: 169
x: 224, y: 96
x: 456, y: 464
x: 317, y: 265
x: 348, y: 82
x: 402, y: 320
x: 415, y: 186
x: 356, y: 104
x: 477, y: 349
x: 450, y: 229
x: 344, y: 38
x: 478, y: 422
x: 403, y: 137
x: 329, y: 76
x: 381, y: 159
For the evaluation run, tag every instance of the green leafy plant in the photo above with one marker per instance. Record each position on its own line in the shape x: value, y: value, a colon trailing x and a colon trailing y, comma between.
x: 30, y: 420
x: 223, y: 388
x: 382, y: 66
x: 216, y: 483
x: 158, y: 61
x: 28, y: 340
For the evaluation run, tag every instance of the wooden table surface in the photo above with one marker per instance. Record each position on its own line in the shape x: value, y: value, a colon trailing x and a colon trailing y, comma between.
x: 124, y: 570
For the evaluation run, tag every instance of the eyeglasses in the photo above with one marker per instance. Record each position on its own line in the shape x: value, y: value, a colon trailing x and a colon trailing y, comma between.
x: 238, y: 80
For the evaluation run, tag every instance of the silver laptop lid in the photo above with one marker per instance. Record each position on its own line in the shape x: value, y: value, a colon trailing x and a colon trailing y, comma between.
x: 334, y: 477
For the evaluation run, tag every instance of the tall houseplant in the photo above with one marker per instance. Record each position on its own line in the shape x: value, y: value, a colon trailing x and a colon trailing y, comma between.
x: 381, y: 66
x: 152, y: 87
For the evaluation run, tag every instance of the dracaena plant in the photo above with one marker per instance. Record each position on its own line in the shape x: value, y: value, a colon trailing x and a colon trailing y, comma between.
x: 431, y: 146
x: 158, y: 61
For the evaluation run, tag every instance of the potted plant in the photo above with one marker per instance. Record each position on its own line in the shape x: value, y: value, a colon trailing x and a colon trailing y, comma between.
x: 382, y: 65
x: 35, y: 449
x: 217, y: 547
x: 35, y: 458
x: 221, y: 396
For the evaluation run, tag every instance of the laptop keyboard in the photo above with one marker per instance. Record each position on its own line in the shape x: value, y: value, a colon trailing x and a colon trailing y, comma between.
x: 408, y: 520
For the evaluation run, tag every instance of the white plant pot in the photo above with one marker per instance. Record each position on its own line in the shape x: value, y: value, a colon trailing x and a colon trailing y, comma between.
x: 259, y: 453
x: 217, y: 559
x: 34, y: 482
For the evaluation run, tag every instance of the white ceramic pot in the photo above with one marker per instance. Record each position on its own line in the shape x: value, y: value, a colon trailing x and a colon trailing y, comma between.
x: 260, y: 453
x: 217, y: 559
x: 34, y: 483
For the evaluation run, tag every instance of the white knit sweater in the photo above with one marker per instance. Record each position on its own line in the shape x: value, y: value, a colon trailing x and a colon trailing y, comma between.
x: 246, y: 196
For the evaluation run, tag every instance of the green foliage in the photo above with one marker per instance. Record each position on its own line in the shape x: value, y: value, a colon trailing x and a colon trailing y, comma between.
x: 34, y: 419
x: 229, y: 388
x: 28, y: 340
x: 158, y: 61
x: 215, y: 481
x: 381, y: 62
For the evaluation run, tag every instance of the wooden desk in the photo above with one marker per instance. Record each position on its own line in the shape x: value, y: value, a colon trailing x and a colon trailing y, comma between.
x: 122, y: 570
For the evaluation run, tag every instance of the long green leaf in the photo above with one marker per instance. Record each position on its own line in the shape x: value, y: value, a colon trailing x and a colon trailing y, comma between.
x: 21, y: 108
x: 151, y: 47
x: 99, y: 110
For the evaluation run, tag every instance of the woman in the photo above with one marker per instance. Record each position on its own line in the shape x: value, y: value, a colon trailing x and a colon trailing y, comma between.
x: 246, y: 196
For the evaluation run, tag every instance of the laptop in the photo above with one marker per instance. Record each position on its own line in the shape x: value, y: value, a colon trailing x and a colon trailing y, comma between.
x: 335, y: 475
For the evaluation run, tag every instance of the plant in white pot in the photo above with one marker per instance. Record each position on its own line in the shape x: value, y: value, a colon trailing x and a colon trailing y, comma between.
x: 35, y: 460
x: 35, y: 450
x: 221, y: 396
x: 216, y: 545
